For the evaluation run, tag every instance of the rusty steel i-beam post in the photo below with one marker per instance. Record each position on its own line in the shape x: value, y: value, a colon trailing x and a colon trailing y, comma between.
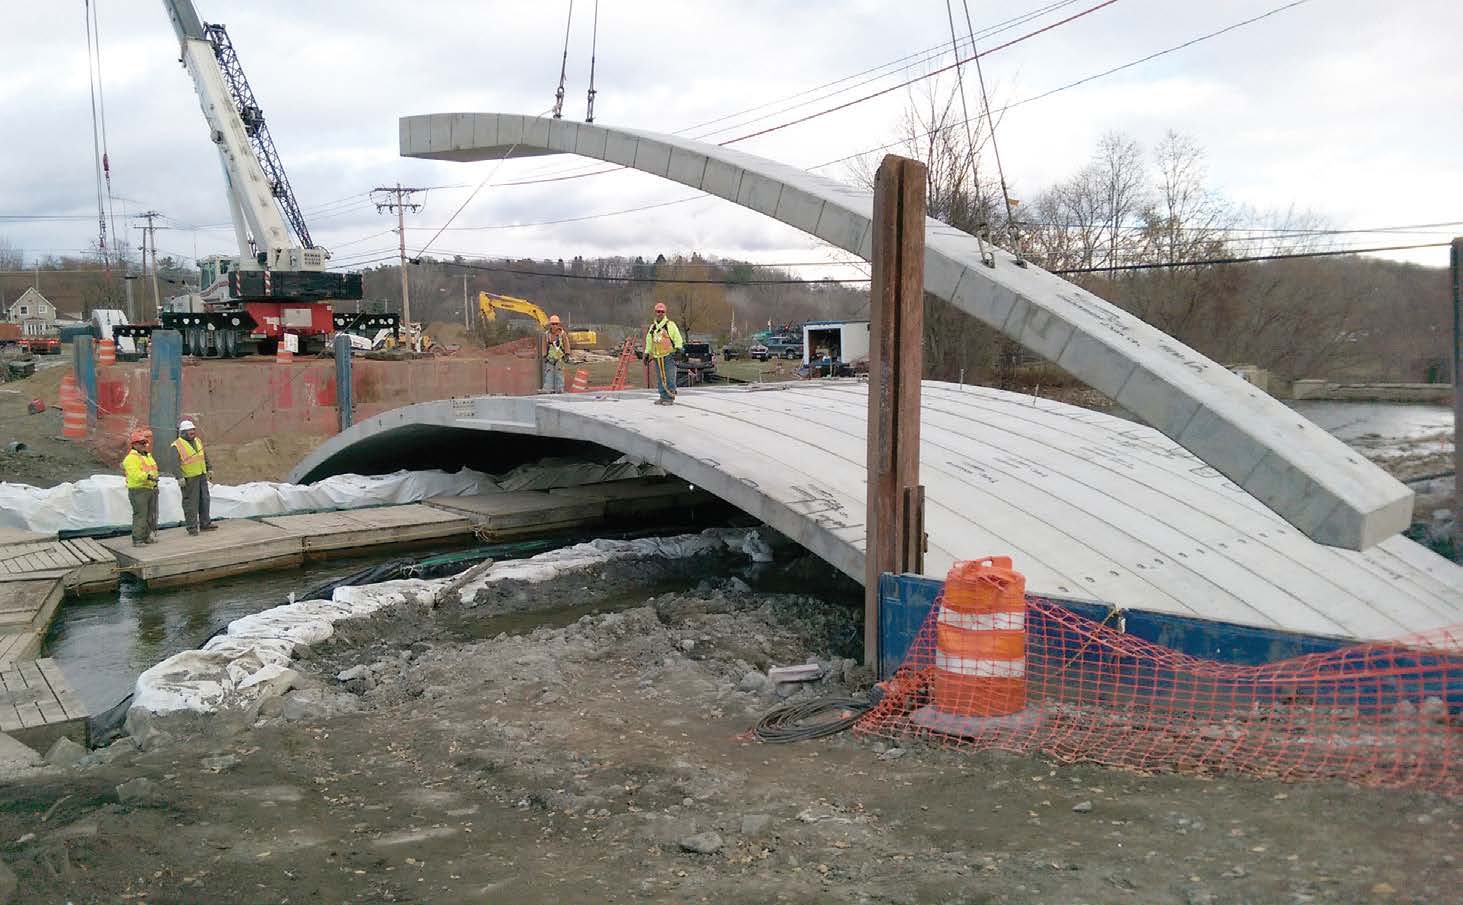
x: 894, y: 527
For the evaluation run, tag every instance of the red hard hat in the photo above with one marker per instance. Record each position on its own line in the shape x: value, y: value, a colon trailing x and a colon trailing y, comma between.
x: 139, y: 436
x: 660, y: 307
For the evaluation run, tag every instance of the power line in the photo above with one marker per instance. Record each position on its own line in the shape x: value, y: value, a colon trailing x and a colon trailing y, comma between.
x: 902, y: 64
x: 1206, y: 262
x: 599, y: 279
x: 905, y: 84
x: 934, y: 53
x: 1082, y: 81
x: 579, y: 175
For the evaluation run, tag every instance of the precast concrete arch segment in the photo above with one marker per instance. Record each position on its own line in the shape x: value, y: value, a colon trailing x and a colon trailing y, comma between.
x: 1332, y: 494
x: 1091, y: 506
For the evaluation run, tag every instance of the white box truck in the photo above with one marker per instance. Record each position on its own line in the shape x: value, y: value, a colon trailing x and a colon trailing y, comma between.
x: 835, y: 348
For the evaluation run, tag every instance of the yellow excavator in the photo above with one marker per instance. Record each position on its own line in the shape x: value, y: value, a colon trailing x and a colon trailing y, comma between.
x: 490, y: 303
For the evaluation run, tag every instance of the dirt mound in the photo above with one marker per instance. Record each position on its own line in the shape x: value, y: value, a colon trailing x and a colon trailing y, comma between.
x: 48, y: 458
x: 265, y: 459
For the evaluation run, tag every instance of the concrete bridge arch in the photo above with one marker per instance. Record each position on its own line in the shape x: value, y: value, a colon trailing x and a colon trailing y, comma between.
x: 1330, y: 493
x: 1092, y: 507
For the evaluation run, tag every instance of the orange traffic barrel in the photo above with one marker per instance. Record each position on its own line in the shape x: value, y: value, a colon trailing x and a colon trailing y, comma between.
x: 581, y: 382
x: 980, y: 640
x: 106, y: 352
x: 73, y: 409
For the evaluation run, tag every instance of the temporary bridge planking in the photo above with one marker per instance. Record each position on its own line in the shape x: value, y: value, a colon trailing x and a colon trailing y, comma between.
x: 352, y: 529
x: 242, y: 545
x: 81, y: 563
x: 38, y: 705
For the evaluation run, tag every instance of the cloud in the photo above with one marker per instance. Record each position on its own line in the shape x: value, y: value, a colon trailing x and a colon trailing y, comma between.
x: 1336, y: 107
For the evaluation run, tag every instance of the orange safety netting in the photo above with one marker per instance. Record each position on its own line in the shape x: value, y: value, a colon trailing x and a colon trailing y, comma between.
x: 1383, y: 714
x: 238, y: 400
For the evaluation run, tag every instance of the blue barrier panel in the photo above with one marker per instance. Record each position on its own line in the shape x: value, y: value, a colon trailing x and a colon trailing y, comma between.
x: 85, y: 368
x: 343, y: 401
x: 1392, y: 675
x: 166, y: 352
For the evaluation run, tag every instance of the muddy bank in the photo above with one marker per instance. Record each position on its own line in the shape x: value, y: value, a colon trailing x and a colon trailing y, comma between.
x: 463, y: 754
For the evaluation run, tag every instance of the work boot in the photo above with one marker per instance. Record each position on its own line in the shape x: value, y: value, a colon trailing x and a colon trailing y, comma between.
x: 210, y: 527
x: 193, y: 531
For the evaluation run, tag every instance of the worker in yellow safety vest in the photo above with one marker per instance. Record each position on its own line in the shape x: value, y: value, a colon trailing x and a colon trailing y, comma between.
x: 193, y: 478
x: 556, y: 352
x: 662, y: 341
x: 141, y: 472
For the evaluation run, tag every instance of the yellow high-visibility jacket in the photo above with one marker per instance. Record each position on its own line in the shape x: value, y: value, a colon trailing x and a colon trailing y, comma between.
x: 663, y: 338
x: 141, y: 470
x: 556, y: 348
x: 190, y: 457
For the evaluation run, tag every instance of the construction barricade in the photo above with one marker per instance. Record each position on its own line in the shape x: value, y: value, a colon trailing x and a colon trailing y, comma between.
x: 1381, y: 713
x: 239, y: 400
x: 73, y: 409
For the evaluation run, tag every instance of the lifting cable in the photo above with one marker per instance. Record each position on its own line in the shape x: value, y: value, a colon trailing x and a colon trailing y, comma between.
x: 593, y: 47
x: 96, y: 140
x: 563, y: 66
x: 987, y: 257
x: 995, y: 148
x: 102, y: 107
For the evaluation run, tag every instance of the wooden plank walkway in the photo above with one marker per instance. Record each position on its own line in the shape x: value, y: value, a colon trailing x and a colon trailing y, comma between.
x: 82, y: 563
x: 352, y: 529
x: 499, y: 516
x: 26, y: 608
x: 238, y: 546
x: 38, y: 705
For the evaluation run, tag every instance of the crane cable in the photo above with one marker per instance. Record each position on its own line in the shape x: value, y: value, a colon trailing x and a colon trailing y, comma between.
x: 995, y: 148
x: 102, y: 107
x: 563, y: 66
x: 96, y: 140
x: 986, y: 257
x: 593, y: 47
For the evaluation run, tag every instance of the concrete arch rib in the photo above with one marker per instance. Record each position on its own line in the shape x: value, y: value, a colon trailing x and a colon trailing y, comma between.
x: 1304, y: 475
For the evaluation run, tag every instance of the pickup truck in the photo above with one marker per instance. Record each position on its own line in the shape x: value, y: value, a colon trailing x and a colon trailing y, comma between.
x: 693, y: 362
x: 785, y: 347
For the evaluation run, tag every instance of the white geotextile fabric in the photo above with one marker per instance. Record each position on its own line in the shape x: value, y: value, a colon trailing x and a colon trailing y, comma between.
x: 251, y: 659
x: 100, y: 501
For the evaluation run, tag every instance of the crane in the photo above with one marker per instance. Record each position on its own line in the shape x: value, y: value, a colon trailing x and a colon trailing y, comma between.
x: 279, y: 283
x: 490, y: 303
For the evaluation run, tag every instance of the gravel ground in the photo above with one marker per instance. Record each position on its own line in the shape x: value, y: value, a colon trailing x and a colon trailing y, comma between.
x: 585, y: 740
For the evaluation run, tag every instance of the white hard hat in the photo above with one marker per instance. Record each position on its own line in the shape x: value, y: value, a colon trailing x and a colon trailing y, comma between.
x: 186, y: 425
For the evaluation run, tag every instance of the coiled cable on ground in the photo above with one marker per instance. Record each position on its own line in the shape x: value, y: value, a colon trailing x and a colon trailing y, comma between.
x: 809, y: 720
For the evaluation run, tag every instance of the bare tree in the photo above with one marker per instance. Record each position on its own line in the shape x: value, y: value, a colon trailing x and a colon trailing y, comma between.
x: 11, y: 258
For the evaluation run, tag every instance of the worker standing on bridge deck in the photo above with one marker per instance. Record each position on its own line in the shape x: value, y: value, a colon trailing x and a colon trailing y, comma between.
x: 556, y: 353
x: 193, y: 478
x: 662, y: 341
x: 140, y: 469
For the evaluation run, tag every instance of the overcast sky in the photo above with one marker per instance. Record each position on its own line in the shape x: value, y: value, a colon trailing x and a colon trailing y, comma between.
x: 1351, y: 110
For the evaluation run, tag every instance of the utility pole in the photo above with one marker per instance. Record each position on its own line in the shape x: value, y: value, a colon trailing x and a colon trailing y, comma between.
x: 149, y: 235
x: 399, y: 200
x: 466, y: 310
x: 1457, y: 273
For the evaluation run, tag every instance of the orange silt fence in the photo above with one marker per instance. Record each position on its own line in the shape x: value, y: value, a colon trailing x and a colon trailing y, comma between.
x: 980, y: 643
x: 73, y: 409
x: 1381, y: 713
